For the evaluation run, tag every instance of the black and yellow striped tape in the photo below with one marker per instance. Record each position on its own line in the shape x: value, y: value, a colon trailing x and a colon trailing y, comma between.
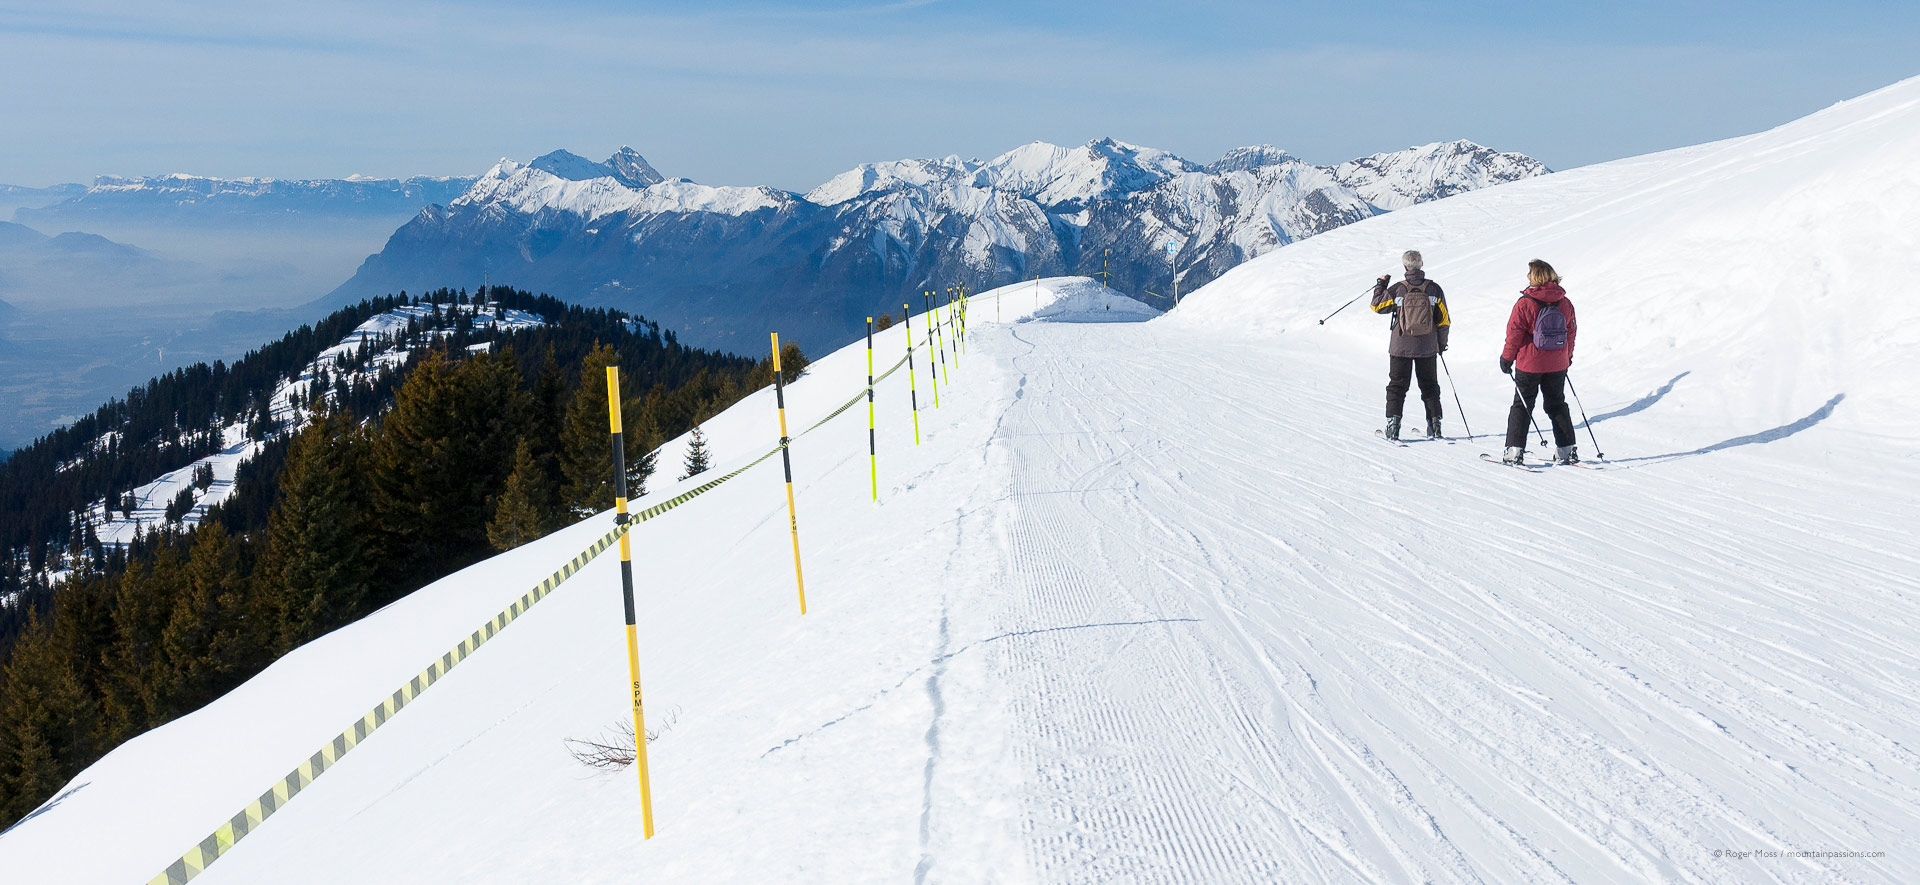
x: 222, y: 840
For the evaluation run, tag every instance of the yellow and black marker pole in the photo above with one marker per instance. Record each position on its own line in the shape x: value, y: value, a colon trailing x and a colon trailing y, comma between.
x: 933, y: 369
x: 626, y: 594
x: 873, y: 449
x: 946, y: 325
x: 786, y: 461
x: 940, y: 336
x: 913, y: 396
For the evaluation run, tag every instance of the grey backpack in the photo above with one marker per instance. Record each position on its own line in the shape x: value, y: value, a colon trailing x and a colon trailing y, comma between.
x: 1416, y: 310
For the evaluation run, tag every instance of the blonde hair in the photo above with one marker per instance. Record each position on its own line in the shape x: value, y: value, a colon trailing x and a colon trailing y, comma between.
x: 1539, y: 273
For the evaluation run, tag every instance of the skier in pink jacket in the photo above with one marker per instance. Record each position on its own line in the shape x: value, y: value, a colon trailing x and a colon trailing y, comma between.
x: 1540, y: 334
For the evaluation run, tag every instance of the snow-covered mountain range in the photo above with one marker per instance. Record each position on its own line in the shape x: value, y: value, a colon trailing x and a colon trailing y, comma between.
x: 724, y: 264
x: 193, y: 199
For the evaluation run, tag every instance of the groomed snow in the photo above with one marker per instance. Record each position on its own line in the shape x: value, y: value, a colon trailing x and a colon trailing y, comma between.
x: 1149, y: 602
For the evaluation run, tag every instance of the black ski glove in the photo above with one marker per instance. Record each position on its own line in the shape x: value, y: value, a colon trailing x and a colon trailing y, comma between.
x: 1506, y: 366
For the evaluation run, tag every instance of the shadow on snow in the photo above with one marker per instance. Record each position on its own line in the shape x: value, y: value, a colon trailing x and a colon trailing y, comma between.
x: 1765, y: 436
x: 1641, y: 404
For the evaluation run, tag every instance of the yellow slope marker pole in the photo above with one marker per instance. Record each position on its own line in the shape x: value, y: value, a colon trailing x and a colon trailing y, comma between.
x: 1036, y: 293
x: 913, y: 395
x: 933, y: 369
x: 956, y: 307
x: 786, y: 461
x: 873, y: 449
x: 626, y: 595
x: 940, y: 336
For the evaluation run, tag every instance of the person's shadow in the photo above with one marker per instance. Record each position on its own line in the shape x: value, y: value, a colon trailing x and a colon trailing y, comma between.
x: 1641, y: 404
x: 1765, y: 436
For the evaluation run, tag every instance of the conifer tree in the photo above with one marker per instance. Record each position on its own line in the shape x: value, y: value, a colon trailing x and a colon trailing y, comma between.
x: 137, y: 681
x: 442, y: 454
x: 525, y: 507
x: 206, y: 638
x: 697, y: 457
x: 181, y: 506
x: 586, y: 447
x: 315, y: 572
x: 48, y: 722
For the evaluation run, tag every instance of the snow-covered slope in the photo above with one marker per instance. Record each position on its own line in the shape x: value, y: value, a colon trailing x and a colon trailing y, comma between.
x: 1428, y: 172
x: 1756, y: 273
x: 1149, y: 603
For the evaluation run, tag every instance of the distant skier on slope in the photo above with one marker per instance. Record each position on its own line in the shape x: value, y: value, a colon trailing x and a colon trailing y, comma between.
x: 1539, y: 349
x: 1420, y: 324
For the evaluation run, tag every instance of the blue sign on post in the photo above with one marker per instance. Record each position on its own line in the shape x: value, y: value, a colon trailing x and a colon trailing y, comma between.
x: 1171, y: 248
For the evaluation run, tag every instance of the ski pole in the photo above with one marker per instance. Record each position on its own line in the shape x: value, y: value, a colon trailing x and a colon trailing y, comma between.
x: 1536, y: 422
x: 1342, y: 307
x: 1600, y: 455
x: 1456, y: 398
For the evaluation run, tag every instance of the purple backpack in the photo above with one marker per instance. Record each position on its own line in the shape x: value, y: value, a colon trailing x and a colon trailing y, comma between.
x: 1549, y: 326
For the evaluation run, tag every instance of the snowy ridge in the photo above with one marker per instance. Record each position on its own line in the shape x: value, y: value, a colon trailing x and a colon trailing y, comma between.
x: 625, y: 166
x: 1429, y: 172
x: 291, y: 408
x: 1058, y: 177
x: 594, y: 190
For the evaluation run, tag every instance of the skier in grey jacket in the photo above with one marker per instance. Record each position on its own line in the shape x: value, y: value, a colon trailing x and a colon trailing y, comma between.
x: 1420, y: 324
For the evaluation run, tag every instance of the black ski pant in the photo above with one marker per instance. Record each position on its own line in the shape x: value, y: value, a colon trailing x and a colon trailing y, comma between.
x: 1400, y: 372
x: 1554, y: 385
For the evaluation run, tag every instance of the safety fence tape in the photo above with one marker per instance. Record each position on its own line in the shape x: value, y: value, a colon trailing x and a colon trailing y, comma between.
x: 222, y: 840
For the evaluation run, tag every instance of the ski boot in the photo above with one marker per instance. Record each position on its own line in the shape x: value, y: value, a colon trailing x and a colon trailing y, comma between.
x: 1393, y: 428
x: 1513, y: 455
x: 1566, y: 455
x: 1433, y: 427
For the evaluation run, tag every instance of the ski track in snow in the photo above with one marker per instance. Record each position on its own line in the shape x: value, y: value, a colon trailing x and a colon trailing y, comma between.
x: 1358, y: 700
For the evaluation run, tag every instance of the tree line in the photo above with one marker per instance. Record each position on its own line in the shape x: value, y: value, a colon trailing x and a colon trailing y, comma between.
x: 475, y: 451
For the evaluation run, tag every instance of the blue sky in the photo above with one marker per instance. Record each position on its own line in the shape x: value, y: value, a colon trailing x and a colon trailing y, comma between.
x: 790, y: 94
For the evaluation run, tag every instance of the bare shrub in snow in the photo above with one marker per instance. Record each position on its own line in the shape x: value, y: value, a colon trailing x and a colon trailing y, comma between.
x: 614, y: 749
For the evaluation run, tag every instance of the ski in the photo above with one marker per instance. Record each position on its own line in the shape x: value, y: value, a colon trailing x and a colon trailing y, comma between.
x: 1522, y: 466
x: 1382, y: 435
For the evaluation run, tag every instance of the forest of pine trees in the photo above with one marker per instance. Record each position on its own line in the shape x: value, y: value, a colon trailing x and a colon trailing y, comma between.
x: 469, y: 454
